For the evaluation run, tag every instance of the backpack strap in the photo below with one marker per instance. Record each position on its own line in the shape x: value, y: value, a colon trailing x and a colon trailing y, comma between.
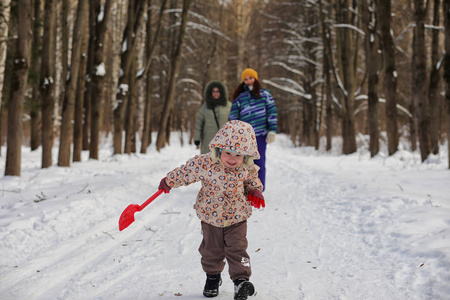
x: 215, y: 117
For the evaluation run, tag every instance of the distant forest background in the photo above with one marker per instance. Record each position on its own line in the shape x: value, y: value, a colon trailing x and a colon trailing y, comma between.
x: 368, y: 71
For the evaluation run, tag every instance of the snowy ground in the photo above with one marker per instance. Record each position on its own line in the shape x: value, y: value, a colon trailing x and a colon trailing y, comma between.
x: 334, y: 227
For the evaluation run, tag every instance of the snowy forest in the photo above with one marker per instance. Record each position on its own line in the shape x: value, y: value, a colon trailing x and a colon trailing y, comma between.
x: 75, y: 72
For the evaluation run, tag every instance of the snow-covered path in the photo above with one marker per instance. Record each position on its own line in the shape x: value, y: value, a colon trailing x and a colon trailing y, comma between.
x: 334, y: 227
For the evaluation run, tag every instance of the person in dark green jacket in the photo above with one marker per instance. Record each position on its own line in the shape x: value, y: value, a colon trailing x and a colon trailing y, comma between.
x: 213, y: 114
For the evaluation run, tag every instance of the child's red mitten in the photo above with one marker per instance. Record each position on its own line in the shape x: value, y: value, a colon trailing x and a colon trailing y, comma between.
x: 163, y: 186
x: 256, y: 198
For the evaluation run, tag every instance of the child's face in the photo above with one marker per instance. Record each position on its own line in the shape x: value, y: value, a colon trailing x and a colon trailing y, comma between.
x: 231, y: 160
x: 249, y: 81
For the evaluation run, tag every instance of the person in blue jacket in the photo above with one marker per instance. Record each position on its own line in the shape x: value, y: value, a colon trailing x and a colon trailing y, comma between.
x: 256, y: 106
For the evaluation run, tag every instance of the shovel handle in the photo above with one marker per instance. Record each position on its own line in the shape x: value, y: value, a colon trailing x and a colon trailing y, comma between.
x: 149, y: 200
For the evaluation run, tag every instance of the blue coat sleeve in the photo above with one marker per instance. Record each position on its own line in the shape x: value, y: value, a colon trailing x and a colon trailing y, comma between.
x: 235, y: 112
x: 272, y: 115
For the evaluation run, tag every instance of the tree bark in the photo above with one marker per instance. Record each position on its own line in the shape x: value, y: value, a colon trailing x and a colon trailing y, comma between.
x: 390, y: 78
x: 371, y: 44
x: 68, y: 113
x: 150, y: 46
x: 434, y: 98
x: 176, y: 62
x: 98, y: 72
x: 135, y: 15
x: 35, y: 107
x: 80, y: 94
x: 347, y: 59
x: 327, y: 73
x: 146, y: 132
x: 88, y: 81
x: 310, y: 127
x: 65, y: 32
x: 446, y: 10
x: 130, y: 120
x: 418, y: 91
x: 18, y: 88
x: 47, y: 87
x: 5, y: 8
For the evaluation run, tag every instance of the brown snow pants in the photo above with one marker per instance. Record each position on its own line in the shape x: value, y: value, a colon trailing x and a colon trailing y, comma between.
x: 228, y: 243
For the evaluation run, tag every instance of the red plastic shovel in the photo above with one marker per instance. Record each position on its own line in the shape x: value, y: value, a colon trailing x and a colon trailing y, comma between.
x: 127, y: 216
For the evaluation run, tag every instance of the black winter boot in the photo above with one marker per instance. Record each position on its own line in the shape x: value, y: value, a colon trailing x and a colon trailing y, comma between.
x: 212, y: 284
x: 242, y: 289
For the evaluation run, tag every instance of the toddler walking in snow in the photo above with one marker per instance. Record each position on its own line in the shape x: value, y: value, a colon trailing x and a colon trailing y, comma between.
x: 230, y: 187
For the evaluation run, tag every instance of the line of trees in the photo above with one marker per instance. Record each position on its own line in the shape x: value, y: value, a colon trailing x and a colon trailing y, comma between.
x: 76, y: 71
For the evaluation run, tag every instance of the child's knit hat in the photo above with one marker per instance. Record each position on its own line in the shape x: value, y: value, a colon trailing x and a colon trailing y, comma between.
x: 249, y: 72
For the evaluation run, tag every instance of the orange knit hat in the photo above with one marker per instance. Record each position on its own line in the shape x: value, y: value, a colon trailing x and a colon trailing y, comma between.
x: 249, y: 72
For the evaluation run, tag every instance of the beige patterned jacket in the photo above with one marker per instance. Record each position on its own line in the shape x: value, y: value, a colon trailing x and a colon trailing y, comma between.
x: 222, y: 200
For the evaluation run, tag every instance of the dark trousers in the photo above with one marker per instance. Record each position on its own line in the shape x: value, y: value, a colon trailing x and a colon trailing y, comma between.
x: 261, y: 163
x: 228, y: 243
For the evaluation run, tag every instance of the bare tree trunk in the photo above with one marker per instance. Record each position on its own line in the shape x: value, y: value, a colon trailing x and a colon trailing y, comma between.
x: 47, y: 86
x: 66, y: 137
x: 434, y: 98
x: 390, y: 77
x: 310, y: 105
x: 123, y: 89
x: 371, y: 41
x: 412, y: 105
x: 79, y: 102
x: 176, y: 61
x: 347, y: 57
x: 132, y: 132
x: 89, y: 74
x: 130, y: 120
x: 135, y: 16
x: 98, y: 72
x: 327, y: 74
x: 35, y: 107
x: 150, y: 46
x: 65, y: 33
x: 147, y: 131
x: 18, y: 87
x: 5, y: 6
x: 146, y: 137
x: 446, y: 10
x: 419, y: 92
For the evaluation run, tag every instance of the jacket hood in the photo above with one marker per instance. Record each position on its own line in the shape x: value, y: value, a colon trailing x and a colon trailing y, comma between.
x: 236, y: 136
x: 209, y: 100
